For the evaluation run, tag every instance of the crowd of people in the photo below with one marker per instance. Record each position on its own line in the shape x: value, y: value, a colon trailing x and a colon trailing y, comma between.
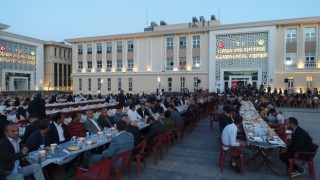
x: 231, y: 128
x: 158, y: 111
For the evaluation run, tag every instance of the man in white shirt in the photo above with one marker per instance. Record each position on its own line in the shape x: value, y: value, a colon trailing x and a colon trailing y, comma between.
x: 58, y: 132
x: 90, y: 124
x: 132, y: 114
x: 229, y: 138
x: 275, y: 119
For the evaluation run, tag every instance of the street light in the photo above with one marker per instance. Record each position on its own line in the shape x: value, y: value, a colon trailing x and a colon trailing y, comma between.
x: 101, y: 81
x: 41, y: 87
x: 159, y: 86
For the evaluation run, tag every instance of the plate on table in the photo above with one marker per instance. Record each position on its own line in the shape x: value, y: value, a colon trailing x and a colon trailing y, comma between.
x: 258, y: 139
x: 73, y: 148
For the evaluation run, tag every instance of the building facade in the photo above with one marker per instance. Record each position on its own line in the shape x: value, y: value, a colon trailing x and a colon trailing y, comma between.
x: 29, y: 64
x: 200, y: 54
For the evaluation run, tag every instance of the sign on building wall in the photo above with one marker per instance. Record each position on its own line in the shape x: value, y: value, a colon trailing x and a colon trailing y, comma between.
x: 242, y: 46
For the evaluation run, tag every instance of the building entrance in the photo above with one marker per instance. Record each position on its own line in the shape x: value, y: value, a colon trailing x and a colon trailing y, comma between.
x: 237, y: 79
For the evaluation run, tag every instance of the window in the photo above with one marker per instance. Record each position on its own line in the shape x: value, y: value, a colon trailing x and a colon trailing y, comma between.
x: 99, y: 64
x: 109, y: 84
x: 119, y: 84
x: 119, y: 46
x: 196, y: 41
x: 170, y: 43
x: 310, y: 34
x: 64, y: 75
x: 195, y: 83
x: 291, y: 35
x: 182, y: 63
x: 69, y: 76
x: 80, y: 84
x: 310, y: 56
x: 182, y: 83
x: 291, y: 61
x: 130, y: 46
x: 109, y: 47
x: 196, y: 62
x: 99, y: 48
x: 309, y: 81
x: 109, y: 64
x: 89, y: 65
x: 130, y: 84
x: 89, y: 84
x: 169, y: 63
x: 169, y: 84
x: 69, y: 54
x: 64, y: 53
x: 99, y: 84
x: 60, y: 53
x: 182, y: 42
x: 55, y: 74
x: 80, y: 50
x: 119, y: 65
x: 60, y: 75
x: 89, y: 48
x: 80, y: 65
x: 290, y: 84
x: 55, y: 52
x: 130, y: 64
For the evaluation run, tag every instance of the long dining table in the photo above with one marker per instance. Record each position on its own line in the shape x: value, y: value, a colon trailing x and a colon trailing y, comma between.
x: 259, y: 135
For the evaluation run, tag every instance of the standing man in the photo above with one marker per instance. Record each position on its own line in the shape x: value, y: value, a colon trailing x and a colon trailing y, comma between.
x: 301, y: 142
x: 10, y: 155
x: 121, y: 99
x: 37, y: 107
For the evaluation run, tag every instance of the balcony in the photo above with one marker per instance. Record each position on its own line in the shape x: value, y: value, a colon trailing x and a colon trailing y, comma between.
x: 309, y: 65
x: 169, y: 68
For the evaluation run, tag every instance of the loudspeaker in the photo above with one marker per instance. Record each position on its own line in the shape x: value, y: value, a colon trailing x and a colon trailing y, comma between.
x: 199, y: 80
x: 286, y: 80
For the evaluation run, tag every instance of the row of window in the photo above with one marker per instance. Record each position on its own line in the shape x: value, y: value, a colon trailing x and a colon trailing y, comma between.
x: 61, y: 75
x: 309, y: 34
x: 130, y: 84
x: 291, y: 82
x: 130, y: 45
x: 58, y: 53
x: 130, y: 64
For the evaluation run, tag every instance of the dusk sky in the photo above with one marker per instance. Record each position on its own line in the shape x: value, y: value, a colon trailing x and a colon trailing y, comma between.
x: 63, y: 19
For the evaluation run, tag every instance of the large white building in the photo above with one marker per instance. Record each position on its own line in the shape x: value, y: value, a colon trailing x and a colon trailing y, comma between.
x: 280, y: 53
x: 29, y: 64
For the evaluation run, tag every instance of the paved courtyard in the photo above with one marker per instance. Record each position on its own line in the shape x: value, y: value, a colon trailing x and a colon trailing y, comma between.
x: 197, y: 157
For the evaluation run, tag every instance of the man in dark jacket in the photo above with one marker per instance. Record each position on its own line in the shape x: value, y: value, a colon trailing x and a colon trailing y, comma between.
x: 58, y: 132
x: 143, y: 111
x: 3, y: 121
x: 103, y: 120
x: 121, y: 99
x: 156, y: 128
x: 38, y: 137
x: 37, y: 107
x: 30, y: 129
x: 10, y: 155
x: 301, y: 142
x: 226, y: 117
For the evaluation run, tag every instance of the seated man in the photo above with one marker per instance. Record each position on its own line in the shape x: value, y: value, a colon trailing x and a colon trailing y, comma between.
x: 226, y: 117
x: 117, y: 117
x: 301, y: 142
x: 103, y: 120
x: 143, y: 111
x: 275, y: 119
x: 30, y: 128
x: 175, y: 116
x: 58, y: 132
x: 132, y: 113
x: 76, y: 128
x: 38, y: 137
x: 122, y: 142
x: 10, y: 155
x: 90, y: 124
x: 229, y: 138
x: 156, y: 128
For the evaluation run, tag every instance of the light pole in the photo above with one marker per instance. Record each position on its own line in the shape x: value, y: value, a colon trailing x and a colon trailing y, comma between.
x: 40, y: 82
x: 101, y: 81
x: 159, y: 86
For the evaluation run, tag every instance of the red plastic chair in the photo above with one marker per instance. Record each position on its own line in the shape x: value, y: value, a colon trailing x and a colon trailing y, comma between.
x: 167, y: 139
x: 224, y: 154
x: 141, y: 155
x: 158, y: 145
x: 297, y: 157
x: 180, y: 132
x: 125, y: 163
x: 100, y: 171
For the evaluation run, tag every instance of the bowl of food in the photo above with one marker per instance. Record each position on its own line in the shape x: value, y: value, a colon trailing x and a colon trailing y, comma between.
x: 73, y: 148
